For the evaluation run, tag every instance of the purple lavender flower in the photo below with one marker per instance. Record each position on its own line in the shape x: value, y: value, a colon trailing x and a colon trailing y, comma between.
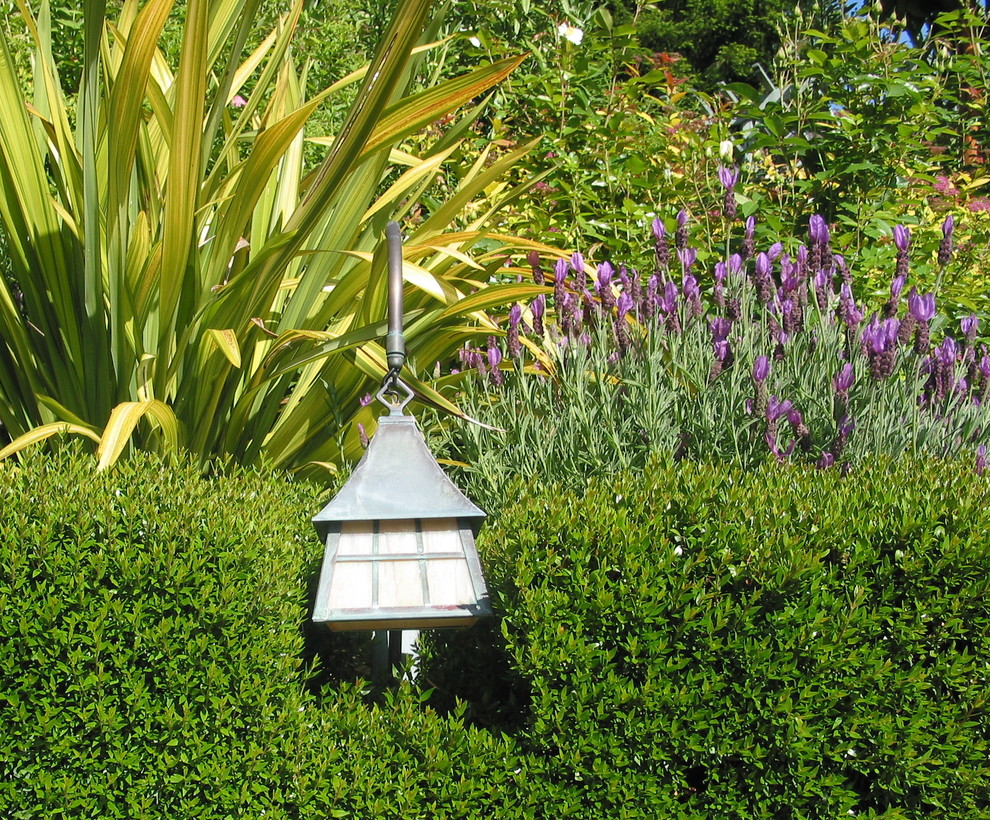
x: 902, y: 238
x: 669, y: 301
x: 822, y: 283
x: 624, y: 304
x: 363, y: 436
x: 945, y: 246
x: 692, y: 294
x: 791, y: 317
x: 818, y: 230
x: 720, y: 327
x: 844, y: 379
x: 471, y: 359
x: 728, y: 177
x: 780, y: 454
x: 652, y: 300
x: 840, y: 263
x: 762, y: 278
x: 850, y: 315
x: 604, y: 285
x: 777, y: 409
x: 687, y: 256
x: 947, y: 352
x: 533, y: 257
x: 970, y: 326
x: 922, y: 306
x: 661, y: 250
x: 896, y: 286
x: 748, y: 244
x: 496, y: 376
x: 513, y: 344
x: 825, y: 461
x: 571, y: 314
x: 681, y: 236
x: 761, y: 369
x: 689, y: 286
x: 537, y: 308
x: 580, y: 275
x: 365, y: 400
x: 668, y: 305
x: 559, y: 278
x: 788, y: 275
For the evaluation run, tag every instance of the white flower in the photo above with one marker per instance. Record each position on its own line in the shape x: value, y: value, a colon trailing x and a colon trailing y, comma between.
x: 475, y: 42
x: 725, y: 148
x: 678, y: 551
x: 570, y: 33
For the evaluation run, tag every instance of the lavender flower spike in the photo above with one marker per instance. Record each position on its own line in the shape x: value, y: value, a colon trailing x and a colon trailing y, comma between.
x: 844, y: 379
x: 659, y: 230
x: 902, y: 238
x: 945, y: 246
x: 818, y: 229
x: 896, y: 286
x: 728, y: 177
x: 761, y: 369
x: 624, y: 304
x: 922, y: 306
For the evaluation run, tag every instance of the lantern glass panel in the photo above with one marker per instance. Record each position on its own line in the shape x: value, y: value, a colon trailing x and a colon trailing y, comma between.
x: 400, y: 584
x: 450, y: 583
x: 351, y: 586
x: 397, y: 538
x: 356, y: 538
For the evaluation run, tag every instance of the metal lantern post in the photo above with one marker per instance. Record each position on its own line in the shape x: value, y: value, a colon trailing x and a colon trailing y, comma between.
x: 399, y: 536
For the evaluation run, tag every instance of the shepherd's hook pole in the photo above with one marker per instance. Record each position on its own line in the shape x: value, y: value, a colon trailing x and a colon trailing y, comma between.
x: 395, y: 343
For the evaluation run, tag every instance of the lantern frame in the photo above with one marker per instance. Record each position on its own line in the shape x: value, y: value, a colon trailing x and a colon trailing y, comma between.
x: 398, y: 480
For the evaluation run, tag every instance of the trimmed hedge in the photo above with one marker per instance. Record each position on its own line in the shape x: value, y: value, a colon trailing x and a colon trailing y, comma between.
x: 150, y: 646
x: 704, y: 642
x: 151, y: 661
x: 693, y: 642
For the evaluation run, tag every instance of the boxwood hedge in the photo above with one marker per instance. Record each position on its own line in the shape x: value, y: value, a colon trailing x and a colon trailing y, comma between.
x: 700, y: 641
x: 691, y: 642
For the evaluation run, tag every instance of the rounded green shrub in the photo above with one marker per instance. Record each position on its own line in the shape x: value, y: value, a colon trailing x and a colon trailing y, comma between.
x: 152, y: 663
x: 700, y: 641
x: 150, y: 648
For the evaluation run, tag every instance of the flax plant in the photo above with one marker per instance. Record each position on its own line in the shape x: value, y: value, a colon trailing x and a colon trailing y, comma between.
x: 175, y: 278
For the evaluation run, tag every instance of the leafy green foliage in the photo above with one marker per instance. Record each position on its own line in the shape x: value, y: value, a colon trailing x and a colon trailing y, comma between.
x: 699, y: 641
x: 722, y: 41
x: 150, y: 651
x: 869, y: 132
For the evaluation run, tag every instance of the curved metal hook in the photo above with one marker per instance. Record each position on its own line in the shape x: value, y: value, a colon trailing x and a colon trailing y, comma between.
x: 401, y: 392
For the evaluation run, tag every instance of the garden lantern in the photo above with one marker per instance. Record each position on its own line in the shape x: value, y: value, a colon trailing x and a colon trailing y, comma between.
x: 399, y: 535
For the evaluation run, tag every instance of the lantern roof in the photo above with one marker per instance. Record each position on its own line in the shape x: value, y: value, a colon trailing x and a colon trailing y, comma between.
x: 398, y: 478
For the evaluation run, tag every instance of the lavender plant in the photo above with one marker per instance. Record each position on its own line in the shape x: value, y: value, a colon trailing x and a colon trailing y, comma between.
x: 763, y: 354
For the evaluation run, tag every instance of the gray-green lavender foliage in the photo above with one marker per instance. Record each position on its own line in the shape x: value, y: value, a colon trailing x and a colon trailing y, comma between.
x: 764, y: 355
